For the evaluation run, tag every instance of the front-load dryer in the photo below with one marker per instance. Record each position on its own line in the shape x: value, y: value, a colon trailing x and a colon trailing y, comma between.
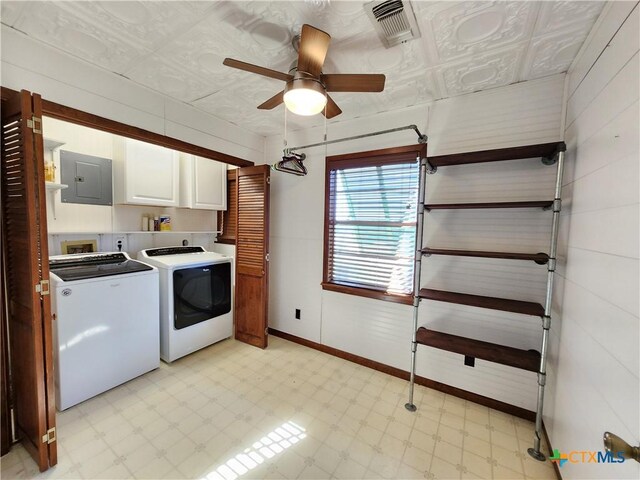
x: 196, y: 298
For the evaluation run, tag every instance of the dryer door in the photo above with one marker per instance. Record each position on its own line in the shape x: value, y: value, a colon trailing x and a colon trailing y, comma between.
x: 201, y: 293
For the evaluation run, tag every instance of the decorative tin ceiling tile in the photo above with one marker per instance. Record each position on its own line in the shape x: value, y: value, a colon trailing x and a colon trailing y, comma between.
x: 177, y: 48
x: 563, y: 15
x: 553, y: 54
x: 10, y: 11
x: 472, y: 27
x: 158, y: 75
x: 49, y: 23
x: 483, y: 72
x: 238, y: 34
x: 146, y: 23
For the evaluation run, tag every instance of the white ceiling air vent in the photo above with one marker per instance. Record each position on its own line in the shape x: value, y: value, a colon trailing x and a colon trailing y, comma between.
x: 393, y: 20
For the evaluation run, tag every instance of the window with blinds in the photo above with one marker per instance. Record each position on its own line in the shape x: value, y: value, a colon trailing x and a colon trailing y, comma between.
x: 370, y: 222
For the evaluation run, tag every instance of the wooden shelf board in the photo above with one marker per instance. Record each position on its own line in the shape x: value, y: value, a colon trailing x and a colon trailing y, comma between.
x: 547, y: 150
x: 540, y: 258
x: 492, y: 352
x: 460, y: 206
x: 55, y: 186
x: 493, y: 303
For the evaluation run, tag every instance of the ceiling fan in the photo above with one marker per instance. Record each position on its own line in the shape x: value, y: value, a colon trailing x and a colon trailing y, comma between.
x: 306, y: 91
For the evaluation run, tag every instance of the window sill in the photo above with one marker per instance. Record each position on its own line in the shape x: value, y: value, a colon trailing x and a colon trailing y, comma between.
x: 365, y: 292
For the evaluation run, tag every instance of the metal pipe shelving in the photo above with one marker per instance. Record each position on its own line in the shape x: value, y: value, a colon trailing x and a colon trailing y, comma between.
x: 549, y: 153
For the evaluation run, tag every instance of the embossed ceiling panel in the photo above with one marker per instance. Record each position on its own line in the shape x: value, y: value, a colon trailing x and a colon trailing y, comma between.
x: 557, y: 16
x: 63, y: 28
x: 553, y: 54
x: 463, y: 29
x: 488, y: 70
x: 10, y: 11
x: 156, y: 73
x: 177, y: 48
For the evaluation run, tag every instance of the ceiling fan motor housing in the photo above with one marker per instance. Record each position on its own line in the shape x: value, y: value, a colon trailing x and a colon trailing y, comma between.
x: 305, y: 80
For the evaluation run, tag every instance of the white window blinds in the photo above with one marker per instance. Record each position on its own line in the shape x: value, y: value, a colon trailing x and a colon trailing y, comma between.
x: 372, y: 226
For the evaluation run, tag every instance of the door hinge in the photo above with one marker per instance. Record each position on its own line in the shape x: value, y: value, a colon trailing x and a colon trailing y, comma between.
x: 268, y: 180
x: 43, y: 287
x: 50, y: 436
x: 266, y: 257
x: 35, y: 124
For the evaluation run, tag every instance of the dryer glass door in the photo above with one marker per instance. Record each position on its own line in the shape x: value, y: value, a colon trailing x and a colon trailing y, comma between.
x: 201, y: 293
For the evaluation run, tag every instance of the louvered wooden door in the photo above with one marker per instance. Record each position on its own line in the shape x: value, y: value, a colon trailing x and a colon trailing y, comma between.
x: 25, y: 247
x: 252, y: 255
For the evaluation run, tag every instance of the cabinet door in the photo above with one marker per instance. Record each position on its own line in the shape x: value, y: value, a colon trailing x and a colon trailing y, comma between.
x: 210, y: 184
x: 152, y: 174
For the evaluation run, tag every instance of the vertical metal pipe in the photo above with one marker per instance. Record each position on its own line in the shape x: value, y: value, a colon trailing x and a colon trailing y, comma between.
x: 417, y: 266
x: 546, y: 319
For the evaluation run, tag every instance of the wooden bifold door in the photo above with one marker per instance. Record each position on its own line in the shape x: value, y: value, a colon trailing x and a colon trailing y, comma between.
x: 26, y: 272
x: 252, y: 255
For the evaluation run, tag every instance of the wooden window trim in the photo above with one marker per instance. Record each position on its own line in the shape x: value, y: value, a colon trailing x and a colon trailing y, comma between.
x: 79, y: 117
x: 366, y: 292
x: 354, y: 160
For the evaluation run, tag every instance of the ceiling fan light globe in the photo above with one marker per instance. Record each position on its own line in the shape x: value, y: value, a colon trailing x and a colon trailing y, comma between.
x: 305, y: 101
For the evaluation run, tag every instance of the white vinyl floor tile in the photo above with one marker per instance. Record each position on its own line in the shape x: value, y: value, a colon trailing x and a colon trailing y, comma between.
x: 232, y: 411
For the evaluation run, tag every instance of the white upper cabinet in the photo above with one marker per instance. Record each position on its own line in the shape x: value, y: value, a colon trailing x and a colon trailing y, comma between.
x: 203, y: 183
x: 145, y: 174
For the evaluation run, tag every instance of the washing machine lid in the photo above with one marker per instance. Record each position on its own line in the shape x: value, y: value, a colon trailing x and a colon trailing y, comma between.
x: 169, y: 257
x: 93, y: 265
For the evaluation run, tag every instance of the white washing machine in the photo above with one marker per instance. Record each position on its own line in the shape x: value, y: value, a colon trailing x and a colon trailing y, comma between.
x: 196, y: 298
x: 105, y: 323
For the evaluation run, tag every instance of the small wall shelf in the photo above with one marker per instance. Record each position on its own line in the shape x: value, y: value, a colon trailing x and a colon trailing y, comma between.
x: 52, y: 188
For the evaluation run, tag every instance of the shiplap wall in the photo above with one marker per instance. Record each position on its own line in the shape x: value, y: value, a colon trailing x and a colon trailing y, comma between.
x: 62, y: 78
x: 520, y: 114
x: 594, y: 364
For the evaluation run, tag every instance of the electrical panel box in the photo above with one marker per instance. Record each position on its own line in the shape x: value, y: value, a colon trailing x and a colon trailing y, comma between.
x: 89, y: 179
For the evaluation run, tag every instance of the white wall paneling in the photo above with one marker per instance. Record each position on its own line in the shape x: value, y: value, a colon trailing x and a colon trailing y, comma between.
x: 521, y: 114
x: 594, y: 365
x: 497, y: 118
x: 61, y: 78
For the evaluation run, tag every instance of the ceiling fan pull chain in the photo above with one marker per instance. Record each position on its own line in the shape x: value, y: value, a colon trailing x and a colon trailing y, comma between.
x: 325, y: 125
x: 285, y: 129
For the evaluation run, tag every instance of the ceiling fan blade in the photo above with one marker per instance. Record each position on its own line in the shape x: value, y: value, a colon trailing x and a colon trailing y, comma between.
x: 249, y: 67
x: 313, y: 48
x: 273, y: 102
x: 333, y: 110
x: 337, y: 82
